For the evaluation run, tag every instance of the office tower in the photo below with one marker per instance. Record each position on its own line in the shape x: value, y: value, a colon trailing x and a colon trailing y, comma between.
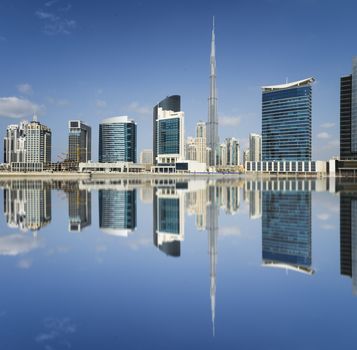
x: 246, y: 156
x: 146, y: 156
x: 191, y: 149
x: 233, y: 151
x: 38, y: 142
x: 79, y: 209
x: 201, y: 142
x: 79, y: 141
x: 286, y: 121
x: 286, y: 230
x: 222, y: 154
x: 212, y: 124
x: 170, y: 103
x: 14, y: 143
x: 348, y: 236
x: 170, y: 136
x: 255, y: 147
x: 348, y: 115
x: 117, y: 212
x: 169, y: 219
x: 27, y: 204
x: 117, y: 140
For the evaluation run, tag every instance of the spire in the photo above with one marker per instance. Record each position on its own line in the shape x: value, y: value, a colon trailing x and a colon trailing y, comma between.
x: 212, y: 124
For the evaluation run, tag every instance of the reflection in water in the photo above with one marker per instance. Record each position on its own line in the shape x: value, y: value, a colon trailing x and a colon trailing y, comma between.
x: 79, y: 207
x: 169, y: 219
x: 27, y: 204
x: 286, y: 230
x: 348, y: 236
x: 117, y: 212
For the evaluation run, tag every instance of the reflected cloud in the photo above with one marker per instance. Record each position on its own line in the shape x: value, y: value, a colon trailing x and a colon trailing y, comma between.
x: 17, y: 244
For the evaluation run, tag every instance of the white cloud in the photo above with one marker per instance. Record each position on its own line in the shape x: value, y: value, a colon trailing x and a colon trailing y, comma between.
x: 54, y: 22
x: 323, y: 135
x: 50, y: 3
x: 100, y: 104
x: 24, y: 264
x: 327, y: 125
x: 17, y: 244
x: 25, y: 88
x: 15, y: 107
x: 229, y: 121
x: 323, y: 216
x: 229, y: 231
x: 135, y: 107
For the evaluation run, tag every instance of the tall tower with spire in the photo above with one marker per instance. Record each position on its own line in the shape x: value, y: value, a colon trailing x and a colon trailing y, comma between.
x: 212, y: 124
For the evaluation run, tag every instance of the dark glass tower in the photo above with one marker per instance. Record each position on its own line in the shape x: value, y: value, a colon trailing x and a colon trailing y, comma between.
x: 170, y: 103
x: 117, y: 140
x: 79, y: 141
x: 286, y: 230
x: 286, y: 121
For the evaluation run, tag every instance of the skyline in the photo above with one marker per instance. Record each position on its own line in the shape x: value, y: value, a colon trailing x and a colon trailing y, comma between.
x: 75, y: 71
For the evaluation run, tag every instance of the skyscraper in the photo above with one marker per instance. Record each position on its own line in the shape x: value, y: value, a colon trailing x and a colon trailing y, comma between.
x: 348, y: 115
x: 255, y: 147
x: 233, y: 151
x: 14, y: 143
x: 286, y: 121
x: 170, y: 103
x: 212, y: 124
x: 170, y: 132
x: 79, y: 141
x: 117, y: 140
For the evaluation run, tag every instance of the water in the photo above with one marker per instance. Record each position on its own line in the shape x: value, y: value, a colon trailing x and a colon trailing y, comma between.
x: 175, y: 264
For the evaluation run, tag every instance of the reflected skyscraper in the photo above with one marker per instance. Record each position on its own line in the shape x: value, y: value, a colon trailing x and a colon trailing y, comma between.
x: 169, y: 219
x: 117, y: 211
x: 286, y: 230
x: 212, y: 230
x: 79, y: 209
x: 348, y: 236
x: 27, y: 205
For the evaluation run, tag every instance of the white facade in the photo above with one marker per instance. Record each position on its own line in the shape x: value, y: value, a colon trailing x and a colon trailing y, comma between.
x: 146, y: 156
x: 255, y: 147
x: 286, y: 167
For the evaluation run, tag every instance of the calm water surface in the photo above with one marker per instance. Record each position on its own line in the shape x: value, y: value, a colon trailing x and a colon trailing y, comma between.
x: 177, y: 264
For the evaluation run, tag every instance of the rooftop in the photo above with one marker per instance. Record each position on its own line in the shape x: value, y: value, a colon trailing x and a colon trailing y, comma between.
x: 304, y: 82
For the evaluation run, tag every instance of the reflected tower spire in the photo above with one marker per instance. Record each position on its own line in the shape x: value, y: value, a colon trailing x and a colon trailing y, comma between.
x: 212, y: 124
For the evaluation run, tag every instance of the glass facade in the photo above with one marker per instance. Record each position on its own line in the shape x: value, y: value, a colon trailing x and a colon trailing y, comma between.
x: 117, y: 142
x: 117, y: 210
x: 79, y: 142
x: 354, y: 107
x: 286, y: 228
x: 286, y: 123
x: 169, y: 136
x: 170, y: 103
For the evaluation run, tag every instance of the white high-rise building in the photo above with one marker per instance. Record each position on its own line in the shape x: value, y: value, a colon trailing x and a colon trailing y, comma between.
x: 233, y: 151
x: 191, y: 148
x: 201, y: 142
x: 14, y: 143
x: 223, y: 154
x: 255, y: 147
x: 245, y: 156
x: 170, y: 136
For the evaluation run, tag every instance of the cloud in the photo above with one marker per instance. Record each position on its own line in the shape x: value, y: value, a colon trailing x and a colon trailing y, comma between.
x: 323, y: 216
x: 229, y: 231
x: 327, y: 125
x: 135, y: 107
x: 54, y: 22
x: 229, y: 121
x: 16, y: 244
x: 25, y: 88
x: 61, y: 102
x: 15, y: 107
x: 24, y: 264
x: 100, y: 103
x: 323, y: 135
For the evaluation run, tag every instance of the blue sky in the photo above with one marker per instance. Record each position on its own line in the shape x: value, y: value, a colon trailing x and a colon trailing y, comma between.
x: 94, y: 59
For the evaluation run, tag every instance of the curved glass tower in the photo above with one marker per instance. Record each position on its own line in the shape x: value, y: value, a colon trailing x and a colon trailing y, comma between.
x: 117, y: 140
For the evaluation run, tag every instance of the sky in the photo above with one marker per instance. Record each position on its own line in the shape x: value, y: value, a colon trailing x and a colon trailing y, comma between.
x: 91, y: 60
